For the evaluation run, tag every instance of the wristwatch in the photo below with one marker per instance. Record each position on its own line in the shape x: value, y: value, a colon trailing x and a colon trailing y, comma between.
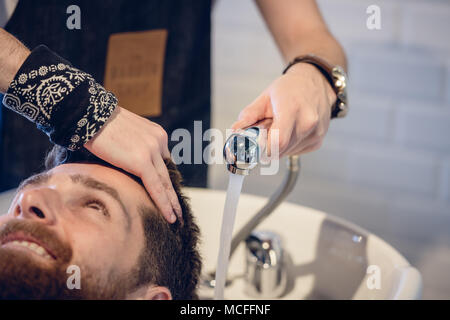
x: 335, y: 75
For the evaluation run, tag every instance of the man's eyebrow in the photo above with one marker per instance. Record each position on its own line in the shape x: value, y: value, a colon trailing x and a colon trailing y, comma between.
x: 35, y: 180
x: 92, y: 183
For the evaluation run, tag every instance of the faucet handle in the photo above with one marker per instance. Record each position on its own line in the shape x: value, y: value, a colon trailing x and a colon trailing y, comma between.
x: 266, y: 275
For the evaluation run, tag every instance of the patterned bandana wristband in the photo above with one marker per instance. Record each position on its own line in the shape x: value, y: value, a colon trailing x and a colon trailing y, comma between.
x: 64, y: 102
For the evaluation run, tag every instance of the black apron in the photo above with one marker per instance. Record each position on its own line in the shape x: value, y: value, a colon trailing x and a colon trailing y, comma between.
x: 186, y: 77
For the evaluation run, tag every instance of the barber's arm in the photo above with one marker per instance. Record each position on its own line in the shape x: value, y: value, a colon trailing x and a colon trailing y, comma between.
x: 12, y: 55
x: 75, y: 111
x: 300, y: 102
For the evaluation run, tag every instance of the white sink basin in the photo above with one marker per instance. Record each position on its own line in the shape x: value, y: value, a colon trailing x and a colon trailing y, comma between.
x: 328, y: 257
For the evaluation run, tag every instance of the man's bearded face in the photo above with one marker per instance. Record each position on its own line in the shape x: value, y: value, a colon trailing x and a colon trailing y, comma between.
x: 30, y: 271
x: 76, y: 215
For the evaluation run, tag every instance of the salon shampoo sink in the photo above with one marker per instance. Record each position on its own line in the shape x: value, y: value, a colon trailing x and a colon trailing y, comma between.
x: 325, y: 257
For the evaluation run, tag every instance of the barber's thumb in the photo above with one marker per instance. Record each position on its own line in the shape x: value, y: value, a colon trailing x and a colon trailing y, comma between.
x: 252, y: 113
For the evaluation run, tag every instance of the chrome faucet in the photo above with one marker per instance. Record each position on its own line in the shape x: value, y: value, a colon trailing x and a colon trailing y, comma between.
x: 243, y: 149
x: 242, y: 152
x: 265, y: 272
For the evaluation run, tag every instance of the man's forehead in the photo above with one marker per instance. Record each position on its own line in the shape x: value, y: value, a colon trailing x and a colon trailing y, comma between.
x: 85, y: 180
x: 90, y: 175
x: 74, y: 172
x: 125, y: 185
x: 95, y: 171
x: 96, y: 176
x: 85, y: 168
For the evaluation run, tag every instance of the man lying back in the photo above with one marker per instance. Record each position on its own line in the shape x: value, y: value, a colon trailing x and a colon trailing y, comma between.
x: 82, y: 214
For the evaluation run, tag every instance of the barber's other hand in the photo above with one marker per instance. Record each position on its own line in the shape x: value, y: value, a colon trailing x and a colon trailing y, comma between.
x: 299, y: 102
x: 138, y: 146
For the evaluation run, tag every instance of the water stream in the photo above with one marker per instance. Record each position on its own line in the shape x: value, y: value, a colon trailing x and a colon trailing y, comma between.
x: 229, y: 213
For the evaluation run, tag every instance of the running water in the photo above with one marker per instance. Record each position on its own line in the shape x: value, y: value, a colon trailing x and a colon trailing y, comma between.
x: 229, y: 213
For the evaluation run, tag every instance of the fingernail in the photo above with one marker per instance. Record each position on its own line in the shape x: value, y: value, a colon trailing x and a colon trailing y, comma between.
x: 173, y: 218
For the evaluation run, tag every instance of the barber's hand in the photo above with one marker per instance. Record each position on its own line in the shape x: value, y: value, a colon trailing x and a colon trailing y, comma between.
x: 139, y: 146
x: 299, y: 102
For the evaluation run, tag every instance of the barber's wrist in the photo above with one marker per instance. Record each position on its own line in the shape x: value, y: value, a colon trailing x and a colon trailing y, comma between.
x: 9, y: 69
x: 12, y: 55
x: 336, y: 77
x: 304, y: 68
x: 64, y: 102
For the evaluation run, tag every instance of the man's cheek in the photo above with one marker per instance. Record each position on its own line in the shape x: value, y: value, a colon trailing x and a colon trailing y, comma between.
x: 93, y: 251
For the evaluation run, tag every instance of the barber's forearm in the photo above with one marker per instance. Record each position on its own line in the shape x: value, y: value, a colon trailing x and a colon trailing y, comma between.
x: 12, y: 55
x: 320, y: 43
x: 298, y: 28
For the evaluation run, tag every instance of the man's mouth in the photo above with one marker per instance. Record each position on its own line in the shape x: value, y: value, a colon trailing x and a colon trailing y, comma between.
x: 22, y: 241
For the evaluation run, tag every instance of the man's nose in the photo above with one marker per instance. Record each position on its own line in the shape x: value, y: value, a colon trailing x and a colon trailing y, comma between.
x: 38, y: 204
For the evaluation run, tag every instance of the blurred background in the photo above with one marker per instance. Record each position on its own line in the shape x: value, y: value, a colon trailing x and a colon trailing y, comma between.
x: 386, y: 166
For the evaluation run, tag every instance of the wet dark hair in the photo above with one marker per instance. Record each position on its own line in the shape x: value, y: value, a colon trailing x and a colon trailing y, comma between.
x: 170, y: 257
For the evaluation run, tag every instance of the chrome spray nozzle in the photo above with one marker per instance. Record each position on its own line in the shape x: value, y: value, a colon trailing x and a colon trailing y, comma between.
x: 243, y: 149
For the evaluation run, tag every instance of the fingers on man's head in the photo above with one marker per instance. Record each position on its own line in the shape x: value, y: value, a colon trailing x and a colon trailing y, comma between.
x: 160, y: 188
x: 163, y: 172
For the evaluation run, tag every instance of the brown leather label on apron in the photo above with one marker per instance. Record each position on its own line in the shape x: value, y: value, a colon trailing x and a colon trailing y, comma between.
x: 134, y: 70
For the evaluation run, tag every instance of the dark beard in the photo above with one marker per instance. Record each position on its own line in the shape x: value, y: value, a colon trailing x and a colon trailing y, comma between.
x: 22, y: 276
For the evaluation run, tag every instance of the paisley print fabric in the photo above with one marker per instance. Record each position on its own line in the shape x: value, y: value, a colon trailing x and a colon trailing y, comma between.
x: 64, y: 102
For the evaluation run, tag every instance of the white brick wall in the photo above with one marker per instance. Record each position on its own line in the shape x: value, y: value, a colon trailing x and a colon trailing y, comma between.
x: 393, y: 168
x: 391, y: 70
x: 423, y: 125
x: 386, y: 166
x: 426, y: 25
x: 419, y: 218
x: 318, y: 163
x: 371, y: 119
x: 447, y: 83
x: 444, y: 181
x: 345, y: 18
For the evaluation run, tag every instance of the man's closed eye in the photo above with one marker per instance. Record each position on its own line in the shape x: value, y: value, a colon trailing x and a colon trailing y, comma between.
x: 97, y: 205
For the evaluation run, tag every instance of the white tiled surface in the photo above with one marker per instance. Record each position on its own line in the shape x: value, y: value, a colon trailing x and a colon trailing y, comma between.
x: 422, y: 125
x: 425, y: 25
x: 386, y: 166
x: 398, y: 71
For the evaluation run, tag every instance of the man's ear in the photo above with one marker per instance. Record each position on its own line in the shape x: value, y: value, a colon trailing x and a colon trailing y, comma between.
x: 151, y: 293
x: 158, y: 293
